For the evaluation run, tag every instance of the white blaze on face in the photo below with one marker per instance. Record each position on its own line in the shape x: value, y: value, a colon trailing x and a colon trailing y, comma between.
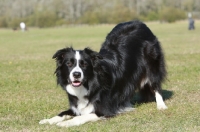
x: 76, y: 81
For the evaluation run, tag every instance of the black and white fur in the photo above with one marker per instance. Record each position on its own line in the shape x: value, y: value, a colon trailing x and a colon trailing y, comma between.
x: 102, y: 84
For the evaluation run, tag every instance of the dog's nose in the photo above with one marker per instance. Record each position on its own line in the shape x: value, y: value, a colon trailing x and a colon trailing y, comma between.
x: 76, y: 74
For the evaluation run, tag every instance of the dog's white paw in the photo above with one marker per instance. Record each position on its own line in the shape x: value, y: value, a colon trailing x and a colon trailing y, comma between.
x: 76, y: 121
x: 53, y: 120
x: 159, y: 101
x: 44, y: 121
x: 161, y: 107
x: 68, y: 123
x: 62, y: 124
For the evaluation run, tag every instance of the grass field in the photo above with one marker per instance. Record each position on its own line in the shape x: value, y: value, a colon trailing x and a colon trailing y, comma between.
x: 28, y: 90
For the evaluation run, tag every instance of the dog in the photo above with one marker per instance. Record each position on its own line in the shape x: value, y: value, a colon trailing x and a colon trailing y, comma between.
x: 102, y: 84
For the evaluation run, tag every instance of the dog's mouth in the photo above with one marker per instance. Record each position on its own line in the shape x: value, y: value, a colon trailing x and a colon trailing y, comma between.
x: 76, y: 83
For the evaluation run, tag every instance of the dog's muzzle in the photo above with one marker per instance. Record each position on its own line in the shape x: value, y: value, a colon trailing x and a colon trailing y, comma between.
x: 76, y: 82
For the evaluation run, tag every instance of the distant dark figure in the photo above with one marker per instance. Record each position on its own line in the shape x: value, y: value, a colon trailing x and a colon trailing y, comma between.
x: 191, y: 24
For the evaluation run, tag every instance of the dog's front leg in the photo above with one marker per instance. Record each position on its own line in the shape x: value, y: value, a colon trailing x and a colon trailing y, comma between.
x: 59, y: 118
x: 79, y: 120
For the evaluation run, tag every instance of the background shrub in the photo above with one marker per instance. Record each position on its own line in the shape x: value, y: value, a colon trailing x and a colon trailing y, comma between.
x: 3, y: 22
x: 49, y: 13
x: 171, y: 14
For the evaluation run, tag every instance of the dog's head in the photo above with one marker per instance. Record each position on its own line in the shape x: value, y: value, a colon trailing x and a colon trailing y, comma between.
x: 74, y: 67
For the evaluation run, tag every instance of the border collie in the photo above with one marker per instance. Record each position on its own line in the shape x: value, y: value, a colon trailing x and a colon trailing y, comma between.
x: 102, y: 84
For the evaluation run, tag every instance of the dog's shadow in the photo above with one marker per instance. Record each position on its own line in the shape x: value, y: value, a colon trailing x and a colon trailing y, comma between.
x: 137, y: 99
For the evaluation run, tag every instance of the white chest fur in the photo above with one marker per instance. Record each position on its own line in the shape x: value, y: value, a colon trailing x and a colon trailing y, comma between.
x: 82, y: 105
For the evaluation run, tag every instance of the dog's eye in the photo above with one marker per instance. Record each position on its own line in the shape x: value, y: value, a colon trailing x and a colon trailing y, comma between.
x: 69, y: 64
x: 83, y: 64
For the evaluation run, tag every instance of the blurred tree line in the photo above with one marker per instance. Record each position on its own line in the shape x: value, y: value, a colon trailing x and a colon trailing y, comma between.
x: 47, y: 13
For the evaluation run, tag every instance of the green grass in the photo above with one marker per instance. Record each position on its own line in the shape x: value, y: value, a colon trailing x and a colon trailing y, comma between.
x: 28, y: 90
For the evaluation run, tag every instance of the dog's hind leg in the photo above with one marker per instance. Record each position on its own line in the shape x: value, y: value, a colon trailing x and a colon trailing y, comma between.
x: 156, y: 87
x: 159, y: 101
x: 148, y: 90
x: 146, y: 93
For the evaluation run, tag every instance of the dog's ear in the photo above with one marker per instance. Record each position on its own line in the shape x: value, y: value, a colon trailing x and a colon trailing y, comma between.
x: 59, y: 55
x: 94, y: 56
